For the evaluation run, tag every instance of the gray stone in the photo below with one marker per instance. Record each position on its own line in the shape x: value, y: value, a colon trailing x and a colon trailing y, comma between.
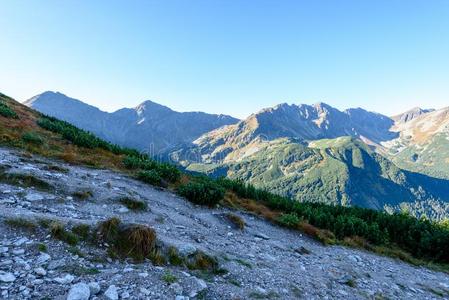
x: 123, y: 210
x: 261, y: 235
x: 187, y: 249
x: 94, y: 288
x: 7, y: 277
x: 34, y: 197
x: 40, y: 271
x: 64, y: 280
x: 43, y: 258
x: 111, y: 293
x: 79, y: 291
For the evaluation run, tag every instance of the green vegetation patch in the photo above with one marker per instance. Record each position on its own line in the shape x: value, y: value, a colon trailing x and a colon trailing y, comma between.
x: 6, y: 111
x: 169, y: 278
x: 152, y: 172
x: 202, y: 191
x: 289, y: 220
x: 421, y: 238
x: 151, y: 177
x: 34, y: 138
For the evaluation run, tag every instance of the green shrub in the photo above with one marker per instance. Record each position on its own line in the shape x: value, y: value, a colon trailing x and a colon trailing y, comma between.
x: 42, y: 247
x: 151, y: 177
x: 32, y: 138
x: 203, y: 193
x: 139, y: 162
x: 421, y: 238
x: 166, y: 171
x: 288, y: 220
x: 169, y: 172
x: 7, y: 112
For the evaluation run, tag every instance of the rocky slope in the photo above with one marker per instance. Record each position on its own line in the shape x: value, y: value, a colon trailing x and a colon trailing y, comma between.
x: 261, y: 261
x: 149, y: 126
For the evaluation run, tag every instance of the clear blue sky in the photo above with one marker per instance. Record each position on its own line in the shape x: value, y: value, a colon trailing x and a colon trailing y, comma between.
x: 232, y: 57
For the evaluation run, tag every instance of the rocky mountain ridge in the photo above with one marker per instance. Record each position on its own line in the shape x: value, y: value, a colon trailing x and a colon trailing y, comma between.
x: 149, y: 127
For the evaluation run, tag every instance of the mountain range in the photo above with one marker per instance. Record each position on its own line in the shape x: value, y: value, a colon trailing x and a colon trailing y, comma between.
x: 307, y: 152
x: 149, y: 127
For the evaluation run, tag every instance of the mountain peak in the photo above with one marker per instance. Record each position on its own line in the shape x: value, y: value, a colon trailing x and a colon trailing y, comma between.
x: 322, y: 105
x: 152, y: 106
x: 410, y: 114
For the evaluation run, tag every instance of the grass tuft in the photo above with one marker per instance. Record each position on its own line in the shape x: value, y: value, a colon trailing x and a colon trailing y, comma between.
x: 82, y: 230
x: 237, y: 221
x: 25, y: 180
x: 21, y: 223
x: 173, y: 257
x: 42, y: 247
x: 157, y: 257
x: 82, y: 195
x: 169, y: 278
x: 201, y: 261
x: 133, y: 204
x: 58, y: 231
x: 130, y: 240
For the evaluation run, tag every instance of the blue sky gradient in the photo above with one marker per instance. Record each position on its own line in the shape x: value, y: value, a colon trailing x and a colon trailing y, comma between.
x: 232, y: 57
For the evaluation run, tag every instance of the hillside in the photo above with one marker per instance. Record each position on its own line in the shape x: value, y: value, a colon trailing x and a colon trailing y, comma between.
x: 342, y: 171
x: 75, y: 231
x: 149, y: 127
x: 423, y: 144
x: 305, y: 153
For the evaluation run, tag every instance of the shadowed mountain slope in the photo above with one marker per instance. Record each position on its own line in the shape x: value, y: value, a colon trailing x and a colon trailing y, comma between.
x: 149, y: 126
